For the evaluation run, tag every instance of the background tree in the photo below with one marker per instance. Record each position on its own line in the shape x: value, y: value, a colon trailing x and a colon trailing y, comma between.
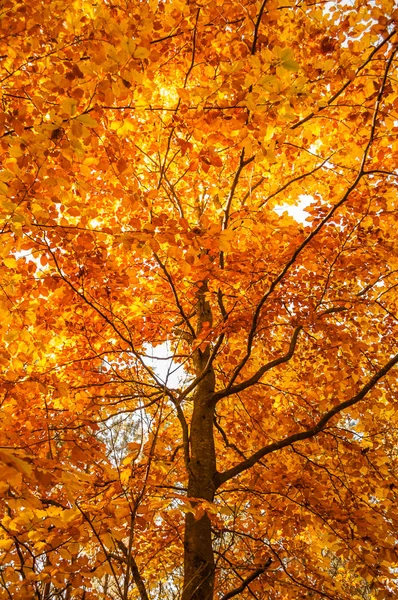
x: 198, y: 299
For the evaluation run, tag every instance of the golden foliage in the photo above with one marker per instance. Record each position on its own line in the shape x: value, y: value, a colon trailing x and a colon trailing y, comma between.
x: 184, y: 182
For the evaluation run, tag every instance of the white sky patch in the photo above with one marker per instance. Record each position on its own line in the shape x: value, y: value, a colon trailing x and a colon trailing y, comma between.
x: 297, y: 211
x: 160, y: 359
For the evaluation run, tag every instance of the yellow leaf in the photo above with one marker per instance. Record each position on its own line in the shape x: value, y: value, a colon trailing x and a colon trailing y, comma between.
x: 141, y: 52
x: 70, y: 514
x: 17, y: 463
x: 6, y: 544
x: 226, y: 238
x: 11, y: 263
x: 69, y: 106
x: 87, y: 120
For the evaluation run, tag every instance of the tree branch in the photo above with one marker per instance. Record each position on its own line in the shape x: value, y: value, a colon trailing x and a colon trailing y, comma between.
x: 242, y: 164
x: 138, y: 580
x: 221, y: 478
x: 176, y: 299
x: 235, y: 389
x: 257, y: 27
x: 347, y: 83
x: 319, y: 227
x: 247, y: 581
x: 298, y: 178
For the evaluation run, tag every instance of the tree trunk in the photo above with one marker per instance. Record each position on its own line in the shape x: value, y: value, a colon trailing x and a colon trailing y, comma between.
x: 199, y: 557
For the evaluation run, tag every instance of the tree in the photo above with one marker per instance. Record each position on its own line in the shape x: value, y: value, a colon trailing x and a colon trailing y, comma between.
x: 199, y: 299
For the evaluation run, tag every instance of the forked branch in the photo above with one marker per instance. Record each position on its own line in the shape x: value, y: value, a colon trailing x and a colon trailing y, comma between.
x: 221, y: 478
x: 247, y: 581
x: 273, y: 285
x: 243, y: 385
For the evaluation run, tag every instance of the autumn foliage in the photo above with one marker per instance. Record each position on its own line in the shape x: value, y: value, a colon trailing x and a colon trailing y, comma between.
x: 198, y: 296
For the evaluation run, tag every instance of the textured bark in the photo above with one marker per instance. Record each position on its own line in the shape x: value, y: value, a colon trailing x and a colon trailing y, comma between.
x: 199, y: 557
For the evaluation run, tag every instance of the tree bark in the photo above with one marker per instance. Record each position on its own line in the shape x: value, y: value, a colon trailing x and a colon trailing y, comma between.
x: 199, y: 566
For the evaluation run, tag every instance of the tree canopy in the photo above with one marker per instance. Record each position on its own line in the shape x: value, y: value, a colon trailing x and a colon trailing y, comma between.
x: 198, y: 295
